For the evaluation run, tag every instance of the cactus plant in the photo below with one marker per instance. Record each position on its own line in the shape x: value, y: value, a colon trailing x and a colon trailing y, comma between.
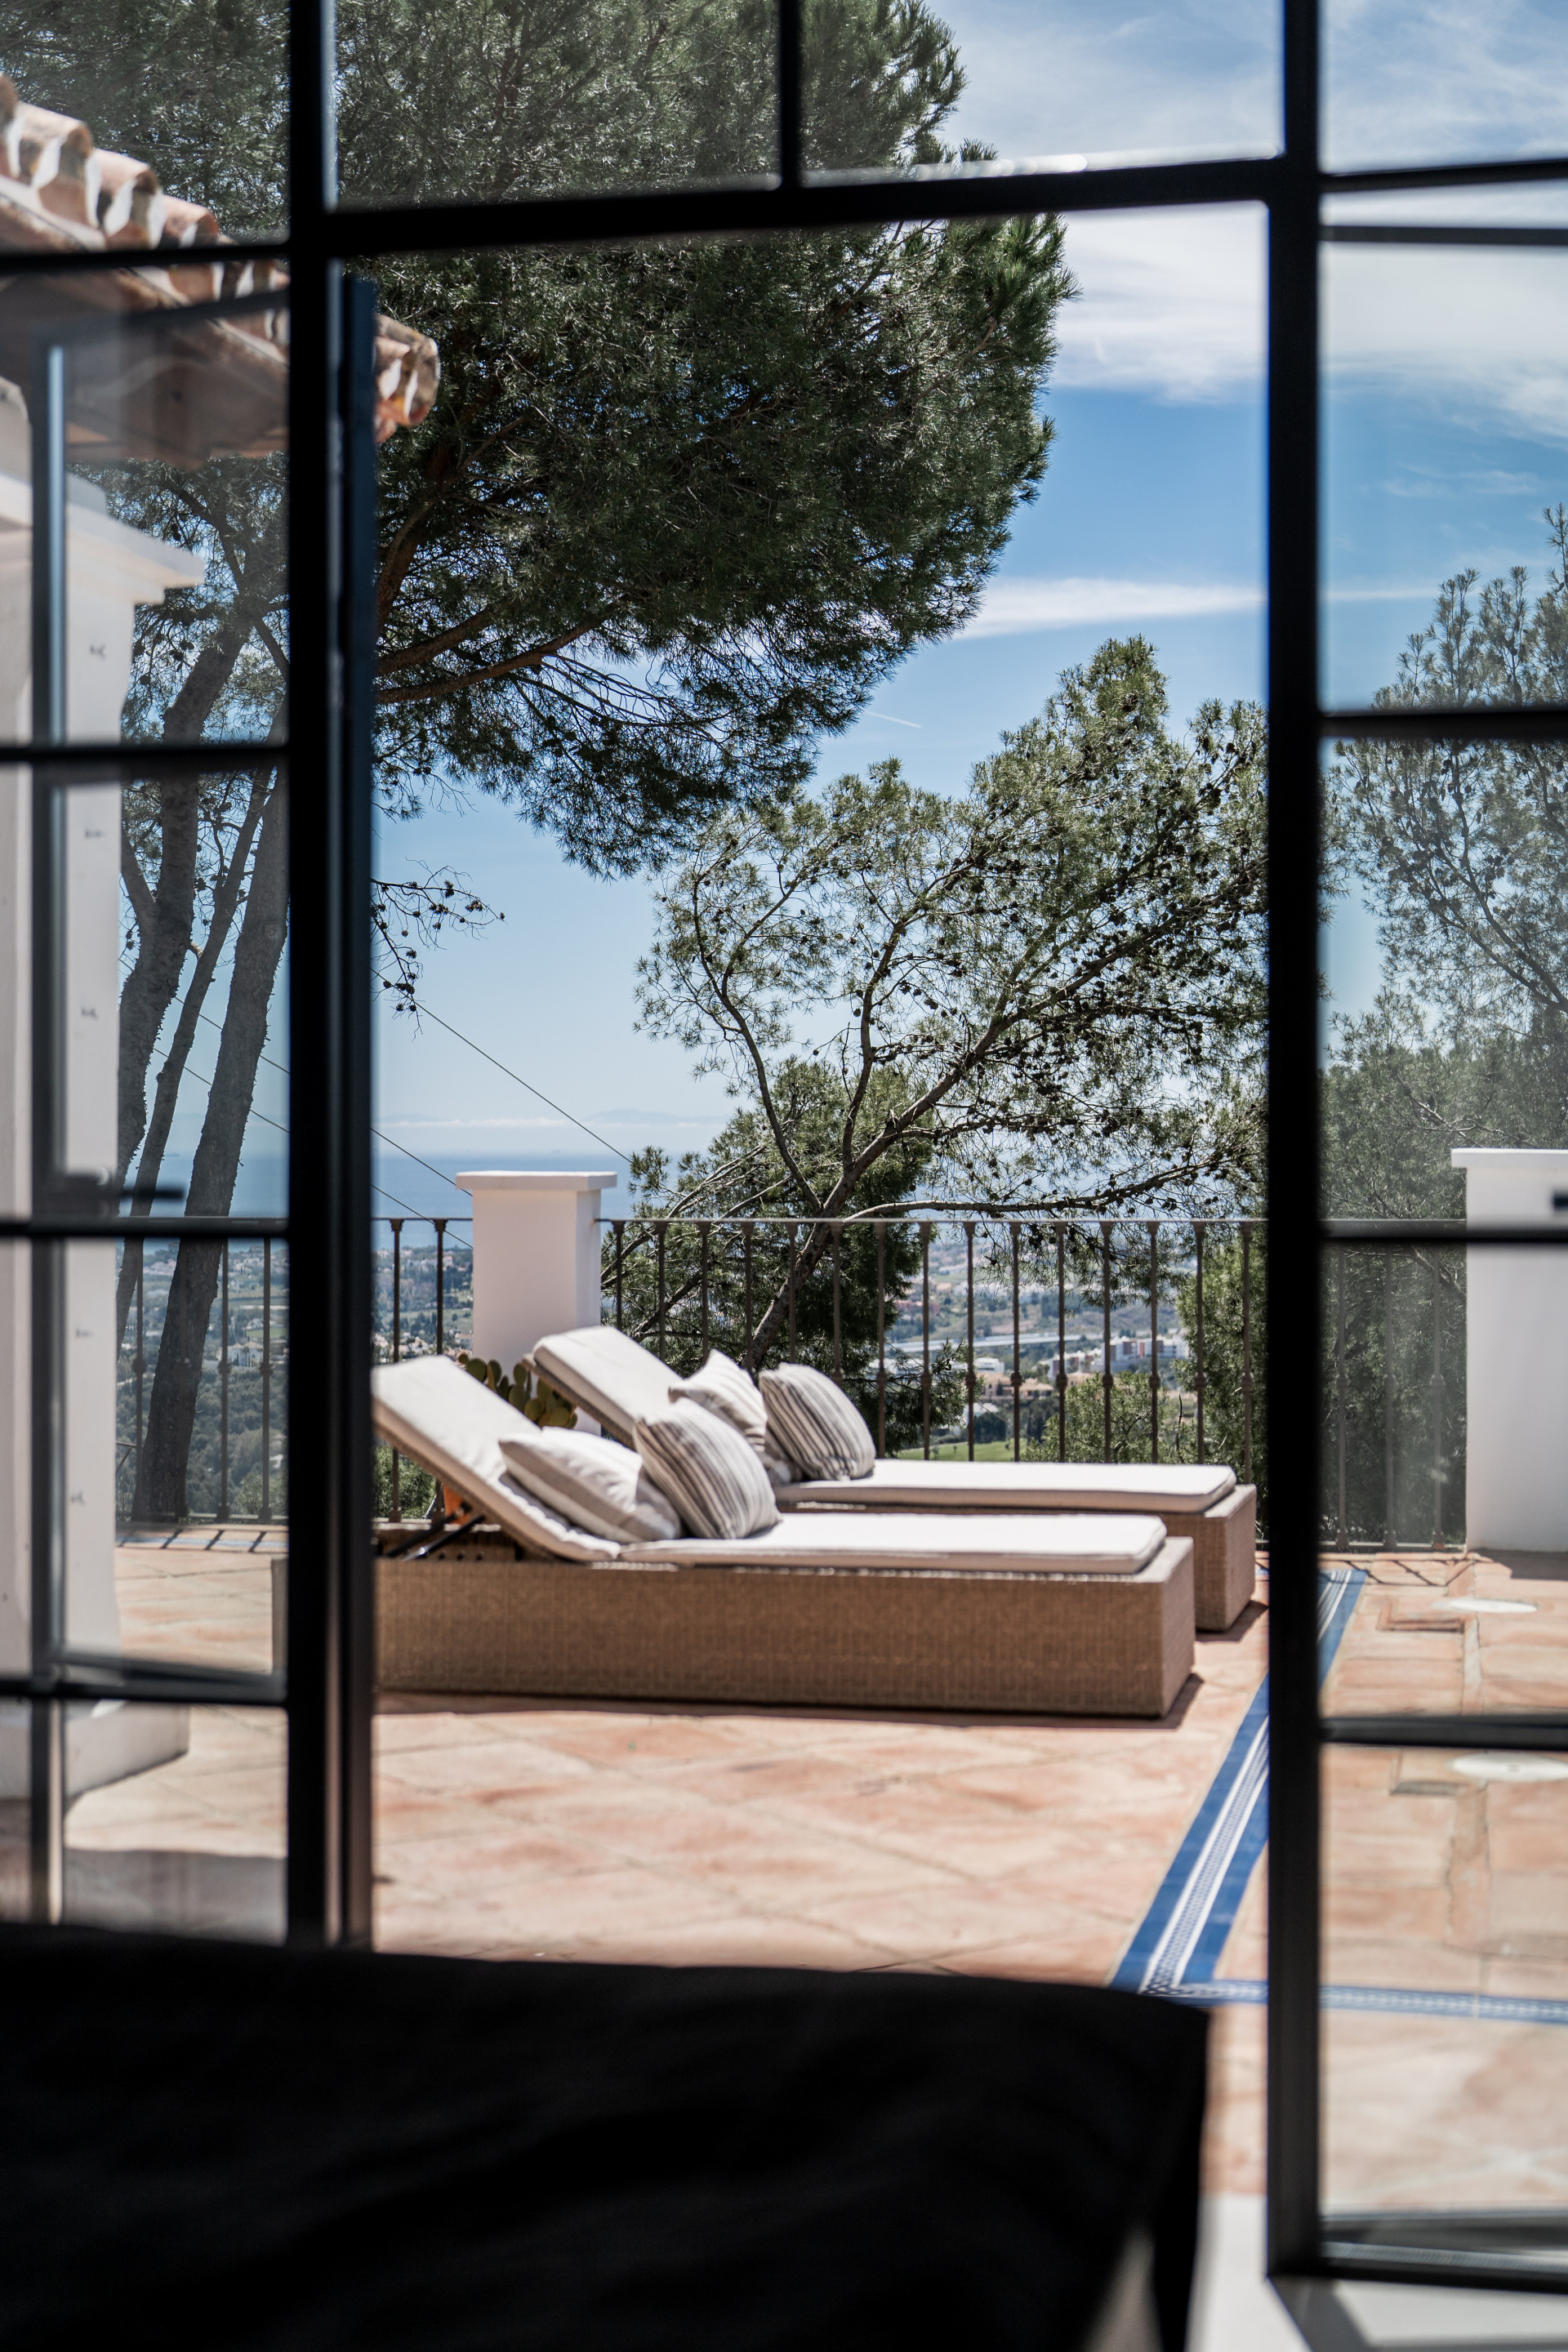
x: 544, y: 1405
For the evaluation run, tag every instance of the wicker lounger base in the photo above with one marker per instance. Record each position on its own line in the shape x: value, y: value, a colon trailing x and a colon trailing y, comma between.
x: 478, y: 1619
x: 1224, y: 1556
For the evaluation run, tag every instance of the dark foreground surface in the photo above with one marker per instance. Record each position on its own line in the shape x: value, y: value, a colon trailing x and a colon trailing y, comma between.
x: 219, y: 2145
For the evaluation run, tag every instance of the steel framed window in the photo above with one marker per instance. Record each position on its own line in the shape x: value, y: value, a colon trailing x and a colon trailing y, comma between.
x: 327, y: 1690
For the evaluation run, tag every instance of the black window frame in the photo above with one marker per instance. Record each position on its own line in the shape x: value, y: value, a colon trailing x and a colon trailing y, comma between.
x: 327, y: 1691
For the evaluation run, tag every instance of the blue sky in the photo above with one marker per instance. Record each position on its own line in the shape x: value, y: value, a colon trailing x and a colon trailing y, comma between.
x: 1446, y: 432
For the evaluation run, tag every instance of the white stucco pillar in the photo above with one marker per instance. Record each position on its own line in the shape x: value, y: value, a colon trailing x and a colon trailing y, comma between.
x: 536, y: 1255
x: 1516, y: 1356
x: 109, y: 571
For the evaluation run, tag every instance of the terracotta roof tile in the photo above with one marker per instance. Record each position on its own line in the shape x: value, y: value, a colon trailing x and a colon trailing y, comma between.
x: 62, y: 193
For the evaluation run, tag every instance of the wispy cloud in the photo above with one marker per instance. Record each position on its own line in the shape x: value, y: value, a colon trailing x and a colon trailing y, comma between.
x: 1170, y: 302
x: 1013, y: 608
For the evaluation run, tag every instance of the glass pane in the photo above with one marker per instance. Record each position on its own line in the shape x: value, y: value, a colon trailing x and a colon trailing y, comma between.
x: 202, y: 1462
x: 1415, y: 83
x: 1445, y: 1956
x: 174, y: 551
x: 1444, y: 485
x: 176, y: 1818
x: 188, y: 1106
x: 504, y: 99
x: 1056, y: 85
x: 141, y: 127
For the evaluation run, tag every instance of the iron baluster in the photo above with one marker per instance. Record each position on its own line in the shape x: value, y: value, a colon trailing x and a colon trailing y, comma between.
x: 881, y: 1337
x: 746, y: 1232
x: 267, y: 1379
x: 969, y: 1283
x: 620, y: 1232
x: 441, y: 1225
x: 704, y: 1235
x: 790, y: 1233
x: 1198, y: 1321
x: 140, y: 1359
x: 925, y: 1340
x: 1341, y: 1535
x: 223, y: 1388
x: 1061, y: 1344
x: 1247, y: 1350
x: 1106, y: 1379
x: 1017, y: 1360
x: 1437, y: 1387
x: 396, y: 1223
x: 837, y: 1303
x: 1389, y: 1535
x: 1153, y: 1339
x: 659, y: 1230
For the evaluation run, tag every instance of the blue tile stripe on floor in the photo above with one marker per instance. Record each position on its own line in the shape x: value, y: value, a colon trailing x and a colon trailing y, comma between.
x: 1184, y: 1932
x: 1399, y: 2000
x: 1178, y: 1946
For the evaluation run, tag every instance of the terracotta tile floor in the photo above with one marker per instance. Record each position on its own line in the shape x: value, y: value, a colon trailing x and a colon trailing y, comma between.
x: 1014, y: 1847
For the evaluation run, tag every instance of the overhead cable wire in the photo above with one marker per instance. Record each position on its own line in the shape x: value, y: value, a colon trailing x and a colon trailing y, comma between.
x: 425, y: 1014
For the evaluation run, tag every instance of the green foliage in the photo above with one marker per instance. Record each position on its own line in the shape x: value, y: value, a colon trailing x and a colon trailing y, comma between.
x: 544, y: 1405
x: 416, y: 1488
x: 679, y: 507
x: 1131, y: 1435
x: 1049, y: 983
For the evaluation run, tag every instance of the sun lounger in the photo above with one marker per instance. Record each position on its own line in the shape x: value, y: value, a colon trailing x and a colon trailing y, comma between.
x: 608, y: 1374
x: 1082, y: 1614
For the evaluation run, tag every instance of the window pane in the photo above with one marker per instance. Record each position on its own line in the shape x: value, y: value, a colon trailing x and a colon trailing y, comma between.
x: 1444, y: 484
x: 202, y: 1450
x: 1445, y: 1960
x: 1058, y: 86
x: 176, y: 1820
x: 174, y: 551
x: 142, y: 126
x: 1415, y: 83
x: 504, y: 100
x: 1444, y: 1089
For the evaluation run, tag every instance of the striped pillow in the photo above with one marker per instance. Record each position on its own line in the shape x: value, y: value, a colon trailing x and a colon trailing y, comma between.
x: 707, y: 1471
x: 814, y: 1422
x: 722, y: 1386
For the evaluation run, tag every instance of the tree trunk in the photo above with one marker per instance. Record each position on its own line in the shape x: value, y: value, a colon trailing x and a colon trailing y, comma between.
x: 160, y: 1480
x: 225, y: 902
x: 165, y: 926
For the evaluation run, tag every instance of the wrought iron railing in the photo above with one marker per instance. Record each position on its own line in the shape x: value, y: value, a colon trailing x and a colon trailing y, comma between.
x: 248, y: 1270
x: 701, y: 1284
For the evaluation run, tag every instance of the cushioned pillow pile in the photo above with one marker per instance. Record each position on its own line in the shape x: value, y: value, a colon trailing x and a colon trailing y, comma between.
x: 724, y: 1387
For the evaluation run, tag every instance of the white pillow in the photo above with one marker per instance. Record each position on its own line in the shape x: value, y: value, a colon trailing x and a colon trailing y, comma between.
x: 709, y: 1472
x: 593, y: 1482
x: 812, y: 1420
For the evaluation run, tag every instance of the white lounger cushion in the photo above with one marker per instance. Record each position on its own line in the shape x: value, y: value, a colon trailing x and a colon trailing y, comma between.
x: 606, y: 1373
x: 430, y: 1407
x: 610, y: 1376
x: 1091, y: 1543
x: 1022, y: 1486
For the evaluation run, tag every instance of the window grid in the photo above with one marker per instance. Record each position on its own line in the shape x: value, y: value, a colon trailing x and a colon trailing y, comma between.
x: 327, y: 1691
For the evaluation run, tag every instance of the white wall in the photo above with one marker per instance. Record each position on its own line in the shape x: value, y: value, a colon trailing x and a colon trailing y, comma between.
x: 1516, y: 1357
x: 111, y: 570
